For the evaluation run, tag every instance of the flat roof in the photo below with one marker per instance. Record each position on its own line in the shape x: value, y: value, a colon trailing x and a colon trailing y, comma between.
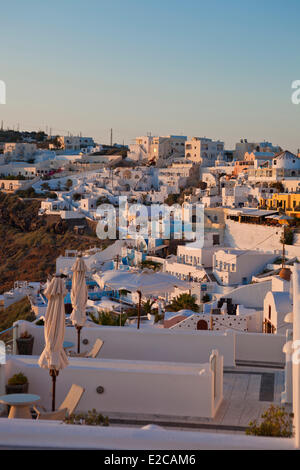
x: 251, y: 212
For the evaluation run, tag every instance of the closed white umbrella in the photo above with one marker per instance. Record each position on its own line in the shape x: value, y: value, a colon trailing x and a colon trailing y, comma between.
x: 79, y: 297
x: 54, y: 357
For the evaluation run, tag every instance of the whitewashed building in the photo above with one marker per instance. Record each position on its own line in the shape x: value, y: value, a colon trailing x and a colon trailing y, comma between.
x: 235, y: 267
x: 204, y: 151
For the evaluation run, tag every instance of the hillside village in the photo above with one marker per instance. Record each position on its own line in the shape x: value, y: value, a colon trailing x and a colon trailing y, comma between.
x: 221, y: 303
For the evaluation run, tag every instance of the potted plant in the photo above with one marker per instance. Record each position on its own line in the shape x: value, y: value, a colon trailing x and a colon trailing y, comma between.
x: 25, y: 344
x: 18, y: 383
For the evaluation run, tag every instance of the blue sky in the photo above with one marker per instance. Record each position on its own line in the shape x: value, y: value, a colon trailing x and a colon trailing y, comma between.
x: 221, y: 69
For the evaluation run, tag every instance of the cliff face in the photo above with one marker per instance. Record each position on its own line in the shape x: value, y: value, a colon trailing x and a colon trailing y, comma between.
x: 29, y: 245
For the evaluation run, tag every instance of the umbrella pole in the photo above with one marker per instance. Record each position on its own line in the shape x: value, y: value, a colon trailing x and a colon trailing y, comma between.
x: 53, y: 373
x: 139, y: 309
x: 78, y: 328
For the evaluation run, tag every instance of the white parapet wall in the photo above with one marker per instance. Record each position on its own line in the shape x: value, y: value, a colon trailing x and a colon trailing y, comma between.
x: 146, y: 344
x: 170, y: 345
x: 259, y: 347
x: 30, y: 434
x: 250, y: 236
x: 131, y: 388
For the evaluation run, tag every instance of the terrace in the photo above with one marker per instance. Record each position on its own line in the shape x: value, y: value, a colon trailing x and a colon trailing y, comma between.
x: 193, y: 383
x: 152, y: 377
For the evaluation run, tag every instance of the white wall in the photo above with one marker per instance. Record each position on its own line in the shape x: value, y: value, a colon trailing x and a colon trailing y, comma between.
x: 130, y: 387
x: 248, y: 236
x: 250, y: 296
x: 30, y: 434
x: 172, y: 346
x: 256, y: 347
x: 148, y: 344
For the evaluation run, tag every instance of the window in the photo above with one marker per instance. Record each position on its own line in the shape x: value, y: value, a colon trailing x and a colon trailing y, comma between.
x: 216, y: 239
x: 270, y: 312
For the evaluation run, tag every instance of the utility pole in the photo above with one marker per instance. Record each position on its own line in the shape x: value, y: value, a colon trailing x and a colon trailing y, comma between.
x: 211, y: 320
x: 283, y: 248
x: 111, y: 137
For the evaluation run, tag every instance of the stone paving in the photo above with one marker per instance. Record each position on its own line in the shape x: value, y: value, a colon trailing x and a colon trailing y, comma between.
x: 248, y: 392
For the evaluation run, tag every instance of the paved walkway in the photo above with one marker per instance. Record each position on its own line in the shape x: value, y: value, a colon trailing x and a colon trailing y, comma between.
x: 248, y: 392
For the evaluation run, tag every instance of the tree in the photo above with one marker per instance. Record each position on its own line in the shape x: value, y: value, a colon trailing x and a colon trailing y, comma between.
x: 278, y: 186
x: 46, y: 186
x: 76, y: 197
x: 69, y: 184
x: 183, y: 302
x: 147, y: 306
x: 288, y: 236
x: 102, y: 200
x: 171, y: 199
x: 202, y: 185
x: 108, y: 318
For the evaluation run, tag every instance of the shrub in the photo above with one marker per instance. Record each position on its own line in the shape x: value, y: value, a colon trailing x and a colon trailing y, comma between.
x: 18, y: 379
x: 276, y: 422
x: 91, y: 418
x: 206, y: 298
x: 150, y: 265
